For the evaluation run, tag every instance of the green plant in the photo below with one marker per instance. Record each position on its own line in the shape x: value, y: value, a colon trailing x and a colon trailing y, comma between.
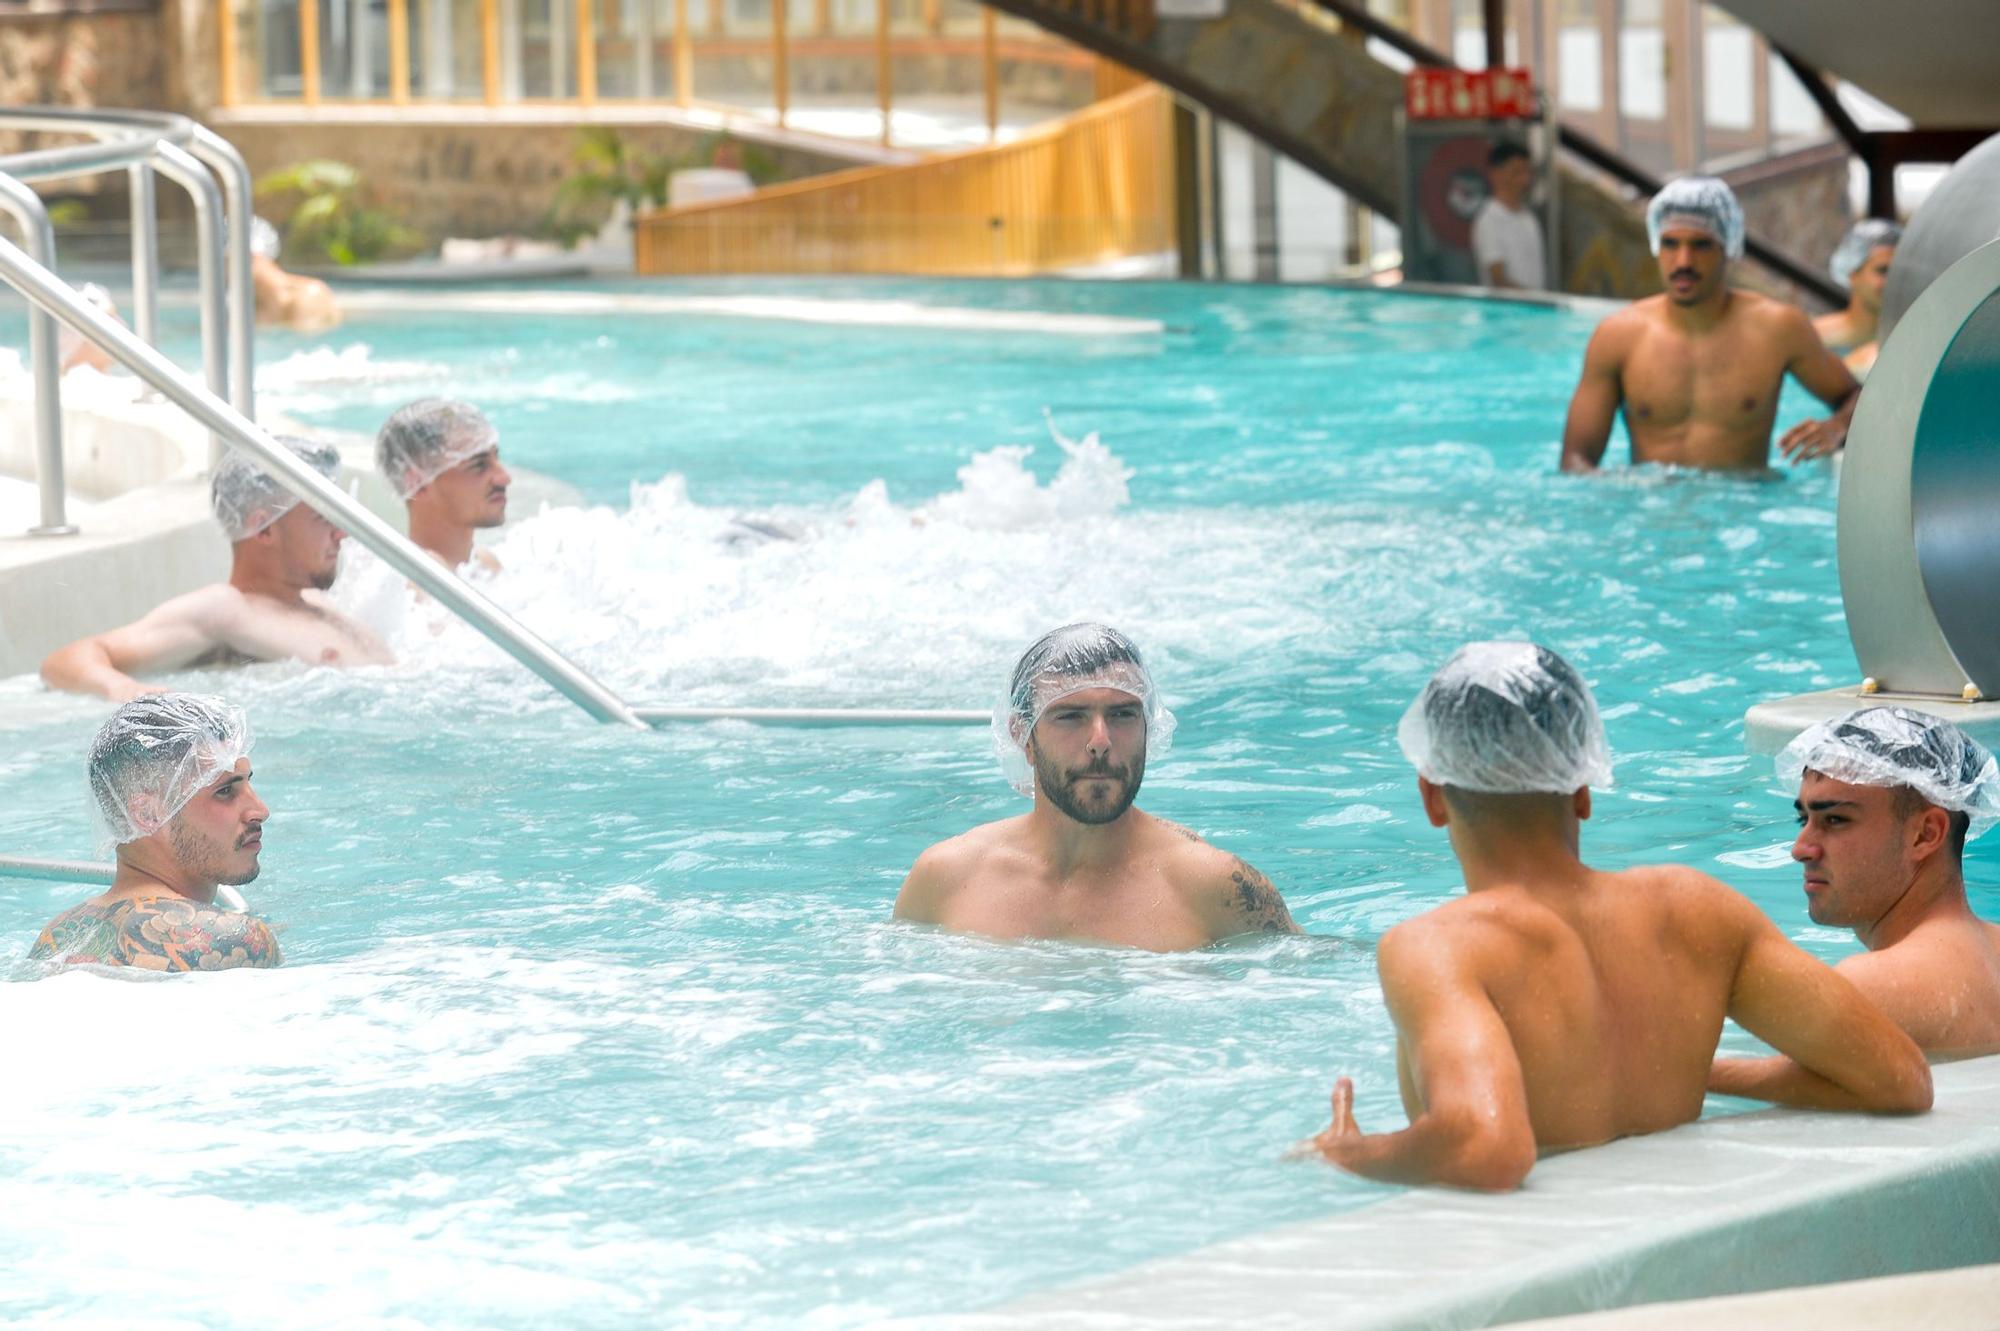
x: 607, y: 170
x: 329, y: 219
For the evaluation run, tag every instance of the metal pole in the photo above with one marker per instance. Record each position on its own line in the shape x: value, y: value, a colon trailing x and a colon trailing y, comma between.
x: 183, y: 169
x: 46, y: 290
x: 43, y: 349
x: 57, y: 871
x: 220, y: 155
x: 145, y: 254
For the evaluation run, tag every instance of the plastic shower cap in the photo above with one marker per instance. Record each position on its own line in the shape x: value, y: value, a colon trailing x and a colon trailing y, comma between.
x: 248, y: 499
x: 1697, y: 201
x: 426, y: 439
x: 264, y: 242
x: 1507, y: 718
x: 155, y: 754
x: 1900, y: 746
x: 1861, y: 240
x: 1069, y: 660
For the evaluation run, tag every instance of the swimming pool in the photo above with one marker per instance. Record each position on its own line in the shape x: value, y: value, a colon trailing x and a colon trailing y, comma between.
x: 591, y: 1028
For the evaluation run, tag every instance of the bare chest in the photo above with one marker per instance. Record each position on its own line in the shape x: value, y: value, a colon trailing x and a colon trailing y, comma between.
x: 313, y: 634
x: 1719, y: 381
x: 1141, y: 909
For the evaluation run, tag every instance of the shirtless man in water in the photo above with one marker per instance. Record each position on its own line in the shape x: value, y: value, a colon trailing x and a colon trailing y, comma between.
x: 443, y: 458
x: 1556, y: 1005
x: 283, y: 555
x: 1887, y: 798
x: 1698, y: 368
x: 1073, y: 731
x: 170, y: 786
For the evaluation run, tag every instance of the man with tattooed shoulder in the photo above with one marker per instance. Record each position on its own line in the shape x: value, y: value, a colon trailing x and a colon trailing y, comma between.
x: 1072, y: 731
x: 170, y: 788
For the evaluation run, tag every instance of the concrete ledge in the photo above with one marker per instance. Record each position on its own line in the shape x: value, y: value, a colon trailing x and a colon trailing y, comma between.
x: 1769, y: 726
x: 1965, y: 1300
x: 1730, y: 1205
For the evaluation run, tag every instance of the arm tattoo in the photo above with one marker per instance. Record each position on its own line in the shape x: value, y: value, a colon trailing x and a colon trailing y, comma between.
x: 1257, y: 905
x: 175, y: 935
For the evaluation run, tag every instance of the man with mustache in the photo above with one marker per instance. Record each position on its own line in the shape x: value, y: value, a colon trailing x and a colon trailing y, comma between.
x: 283, y: 557
x: 1074, y: 730
x: 1697, y: 369
x: 1887, y: 799
x: 443, y: 459
x: 170, y: 788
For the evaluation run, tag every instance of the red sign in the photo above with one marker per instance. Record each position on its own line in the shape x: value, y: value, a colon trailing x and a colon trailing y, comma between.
x: 1469, y: 94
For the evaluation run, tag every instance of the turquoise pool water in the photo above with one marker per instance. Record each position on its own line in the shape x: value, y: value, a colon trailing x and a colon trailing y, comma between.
x: 597, y: 1029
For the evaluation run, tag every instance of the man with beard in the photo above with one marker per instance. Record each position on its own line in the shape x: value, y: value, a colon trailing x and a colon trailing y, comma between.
x: 283, y: 555
x: 1887, y: 799
x: 443, y: 459
x: 1698, y: 368
x: 170, y: 787
x: 1073, y: 731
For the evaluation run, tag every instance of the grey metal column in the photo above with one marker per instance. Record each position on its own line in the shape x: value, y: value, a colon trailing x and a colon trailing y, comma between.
x: 26, y: 207
x: 183, y: 169
x: 220, y: 155
x: 145, y: 253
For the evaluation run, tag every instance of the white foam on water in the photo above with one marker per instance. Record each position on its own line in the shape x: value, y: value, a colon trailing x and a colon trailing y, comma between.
x: 881, y: 601
x: 795, y: 309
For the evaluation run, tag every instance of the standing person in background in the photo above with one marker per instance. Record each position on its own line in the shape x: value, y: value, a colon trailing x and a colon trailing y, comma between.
x: 1506, y: 235
x: 1861, y: 264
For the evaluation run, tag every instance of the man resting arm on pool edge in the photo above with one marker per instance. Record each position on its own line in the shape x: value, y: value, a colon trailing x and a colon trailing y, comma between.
x: 1073, y: 731
x: 1557, y: 1006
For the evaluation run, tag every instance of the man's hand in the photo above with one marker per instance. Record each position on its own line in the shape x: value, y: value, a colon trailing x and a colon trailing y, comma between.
x: 1813, y: 439
x: 1336, y: 1144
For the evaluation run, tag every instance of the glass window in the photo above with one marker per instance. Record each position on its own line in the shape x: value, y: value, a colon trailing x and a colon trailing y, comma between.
x: 1579, y: 56
x: 1793, y: 112
x: 547, y: 61
x: 1642, y: 61
x: 1729, y: 81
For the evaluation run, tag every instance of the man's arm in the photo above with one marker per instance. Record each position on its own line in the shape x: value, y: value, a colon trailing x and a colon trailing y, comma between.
x: 1594, y: 406
x: 1826, y: 378
x: 1473, y: 1130
x: 1841, y: 1051
x: 1244, y: 902
x: 921, y: 900
x: 179, y: 935
x: 173, y: 635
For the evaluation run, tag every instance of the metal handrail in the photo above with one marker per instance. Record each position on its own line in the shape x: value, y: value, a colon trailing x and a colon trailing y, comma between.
x: 25, y: 206
x: 48, y: 292
x: 95, y: 874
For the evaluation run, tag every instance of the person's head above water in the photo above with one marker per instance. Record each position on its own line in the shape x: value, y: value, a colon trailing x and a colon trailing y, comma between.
x: 1697, y: 203
x: 1078, y: 720
x: 173, y: 769
x: 1922, y: 759
x: 428, y: 438
x: 1506, y: 718
x: 1861, y: 262
x: 248, y: 500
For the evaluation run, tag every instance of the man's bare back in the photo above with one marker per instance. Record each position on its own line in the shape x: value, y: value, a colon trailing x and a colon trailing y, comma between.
x: 1171, y: 890
x: 1703, y: 396
x: 157, y: 930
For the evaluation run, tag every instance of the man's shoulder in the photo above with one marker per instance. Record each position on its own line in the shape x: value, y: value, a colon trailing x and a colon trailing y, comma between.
x: 217, y: 604
x: 954, y: 857
x: 1221, y: 886
x: 171, y: 933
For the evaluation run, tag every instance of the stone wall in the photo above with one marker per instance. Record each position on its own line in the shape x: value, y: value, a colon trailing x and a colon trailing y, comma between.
x: 1798, y: 203
x: 107, y: 60
x: 473, y: 178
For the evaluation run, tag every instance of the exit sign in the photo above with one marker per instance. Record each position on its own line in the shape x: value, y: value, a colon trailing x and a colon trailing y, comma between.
x: 1469, y: 94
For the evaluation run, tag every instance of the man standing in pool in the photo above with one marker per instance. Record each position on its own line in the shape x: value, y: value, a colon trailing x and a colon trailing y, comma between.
x: 170, y: 787
x: 1887, y: 798
x: 443, y: 459
x: 1555, y: 1005
x: 283, y: 555
x: 1073, y: 731
x: 1698, y: 369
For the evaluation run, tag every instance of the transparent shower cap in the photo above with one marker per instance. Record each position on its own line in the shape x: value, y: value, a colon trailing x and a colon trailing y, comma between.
x: 1900, y: 746
x: 264, y: 242
x: 247, y: 499
x: 1069, y: 660
x: 1702, y: 202
x: 426, y: 439
x: 154, y: 755
x: 1861, y: 240
x: 1506, y: 718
